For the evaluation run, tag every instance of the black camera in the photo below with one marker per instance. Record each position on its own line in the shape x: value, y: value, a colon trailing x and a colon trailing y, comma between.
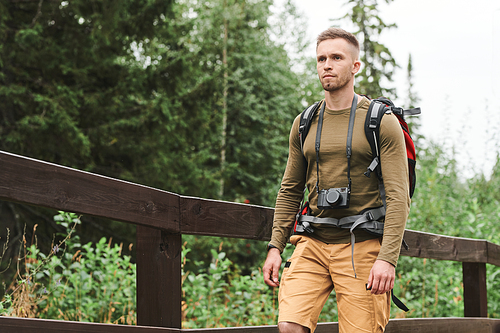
x: 334, y: 198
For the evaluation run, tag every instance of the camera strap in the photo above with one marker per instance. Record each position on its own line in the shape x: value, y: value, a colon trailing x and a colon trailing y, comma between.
x: 350, y: 129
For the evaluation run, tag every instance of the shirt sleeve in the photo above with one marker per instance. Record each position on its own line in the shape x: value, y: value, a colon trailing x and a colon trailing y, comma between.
x: 291, y: 191
x: 394, y: 166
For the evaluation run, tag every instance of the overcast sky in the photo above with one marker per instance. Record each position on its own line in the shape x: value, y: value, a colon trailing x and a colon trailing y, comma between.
x: 455, y: 49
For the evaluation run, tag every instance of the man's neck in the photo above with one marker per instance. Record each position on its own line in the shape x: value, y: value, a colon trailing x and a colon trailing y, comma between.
x: 337, y: 100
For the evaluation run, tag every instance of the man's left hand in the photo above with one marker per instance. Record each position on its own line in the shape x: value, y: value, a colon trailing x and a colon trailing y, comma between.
x: 381, y: 278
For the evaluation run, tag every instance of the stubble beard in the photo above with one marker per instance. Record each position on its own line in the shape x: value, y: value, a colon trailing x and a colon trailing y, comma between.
x: 340, y: 83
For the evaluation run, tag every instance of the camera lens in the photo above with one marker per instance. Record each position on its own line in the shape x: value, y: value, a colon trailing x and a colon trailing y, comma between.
x: 333, y: 197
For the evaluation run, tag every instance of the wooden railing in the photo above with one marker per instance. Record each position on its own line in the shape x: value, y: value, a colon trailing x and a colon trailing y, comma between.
x: 162, y: 217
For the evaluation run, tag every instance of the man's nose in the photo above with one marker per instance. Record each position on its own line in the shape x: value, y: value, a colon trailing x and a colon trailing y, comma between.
x: 328, y: 64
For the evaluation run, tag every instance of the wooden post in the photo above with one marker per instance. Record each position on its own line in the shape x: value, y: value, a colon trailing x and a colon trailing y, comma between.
x: 475, y: 301
x: 158, y: 278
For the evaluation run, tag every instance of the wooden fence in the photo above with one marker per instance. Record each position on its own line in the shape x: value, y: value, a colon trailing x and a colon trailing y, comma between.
x: 162, y: 217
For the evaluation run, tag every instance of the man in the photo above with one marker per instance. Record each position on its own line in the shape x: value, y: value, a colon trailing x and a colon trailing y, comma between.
x: 362, y: 272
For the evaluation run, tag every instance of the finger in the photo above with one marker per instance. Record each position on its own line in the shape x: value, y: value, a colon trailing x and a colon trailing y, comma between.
x: 385, y: 287
x: 370, y: 281
x: 375, y: 285
x: 389, y: 285
x: 266, y: 272
x: 269, y: 281
x: 275, y: 275
x: 269, y: 273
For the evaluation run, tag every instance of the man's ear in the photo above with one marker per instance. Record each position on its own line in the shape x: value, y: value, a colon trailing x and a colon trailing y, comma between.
x: 356, y: 66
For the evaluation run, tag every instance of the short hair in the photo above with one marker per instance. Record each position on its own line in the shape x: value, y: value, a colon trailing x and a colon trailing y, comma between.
x: 332, y: 33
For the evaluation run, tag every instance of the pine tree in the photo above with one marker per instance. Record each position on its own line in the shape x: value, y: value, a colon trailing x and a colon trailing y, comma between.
x: 247, y: 81
x: 412, y: 101
x: 378, y: 64
x: 73, y: 92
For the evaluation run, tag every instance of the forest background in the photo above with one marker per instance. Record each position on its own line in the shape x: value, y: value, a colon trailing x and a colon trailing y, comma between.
x: 195, y: 98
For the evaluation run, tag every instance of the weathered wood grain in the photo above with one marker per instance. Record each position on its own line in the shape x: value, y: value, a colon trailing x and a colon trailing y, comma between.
x: 159, y: 289
x: 427, y: 325
x: 432, y: 246
x: 413, y: 325
x: 49, y: 185
x: 225, y: 219
x: 29, y: 325
x: 35, y: 182
x: 443, y: 325
x: 493, y: 254
x: 475, y: 290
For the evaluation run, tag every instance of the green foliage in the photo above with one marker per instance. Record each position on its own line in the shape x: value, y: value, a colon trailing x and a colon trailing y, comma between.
x: 430, y: 288
x: 97, y: 284
x: 492, y: 278
x: 112, y: 87
x: 445, y: 203
x: 6, y: 306
x: 135, y: 90
x: 220, y: 297
x: 91, y: 282
x: 244, y: 254
x: 261, y: 100
x: 67, y: 87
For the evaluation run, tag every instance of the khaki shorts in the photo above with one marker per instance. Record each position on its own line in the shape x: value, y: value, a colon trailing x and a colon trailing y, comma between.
x: 311, y: 274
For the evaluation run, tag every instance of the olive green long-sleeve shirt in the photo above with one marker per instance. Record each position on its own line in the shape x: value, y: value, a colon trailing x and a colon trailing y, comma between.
x: 333, y: 174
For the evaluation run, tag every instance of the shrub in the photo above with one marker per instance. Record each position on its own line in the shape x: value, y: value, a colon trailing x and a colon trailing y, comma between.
x: 93, y: 282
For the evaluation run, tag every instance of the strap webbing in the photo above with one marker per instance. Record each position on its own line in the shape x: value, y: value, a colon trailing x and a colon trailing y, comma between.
x: 371, y: 215
x: 352, y: 117
x: 398, y: 302
x: 318, y: 142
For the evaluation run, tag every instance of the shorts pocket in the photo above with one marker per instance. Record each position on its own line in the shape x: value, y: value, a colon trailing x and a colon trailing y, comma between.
x: 295, y: 239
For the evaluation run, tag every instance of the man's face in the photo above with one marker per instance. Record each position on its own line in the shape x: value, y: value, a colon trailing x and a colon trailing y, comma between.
x: 336, y: 63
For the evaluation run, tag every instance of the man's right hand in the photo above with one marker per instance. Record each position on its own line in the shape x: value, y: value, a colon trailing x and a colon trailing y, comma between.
x: 271, y: 269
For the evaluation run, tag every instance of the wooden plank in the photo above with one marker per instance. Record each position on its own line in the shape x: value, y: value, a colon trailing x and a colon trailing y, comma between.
x: 475, y: 291
x: 225, y: 219
x: 424, y: 325
x: 443, y: 325
x: 159, y: 290
x: 30, y: 325
x: 426, y: 245
x: 40, y: 183
x: 218, y: 218
x: 411, y: 325
x: 493, y: 254
x: 35, y: 182
x: 428, y: 325
x: 246, y: 329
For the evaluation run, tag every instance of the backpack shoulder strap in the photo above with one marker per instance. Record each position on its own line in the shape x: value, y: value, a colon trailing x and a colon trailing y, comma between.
x: 376, y: 110
x: 305, y: 121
